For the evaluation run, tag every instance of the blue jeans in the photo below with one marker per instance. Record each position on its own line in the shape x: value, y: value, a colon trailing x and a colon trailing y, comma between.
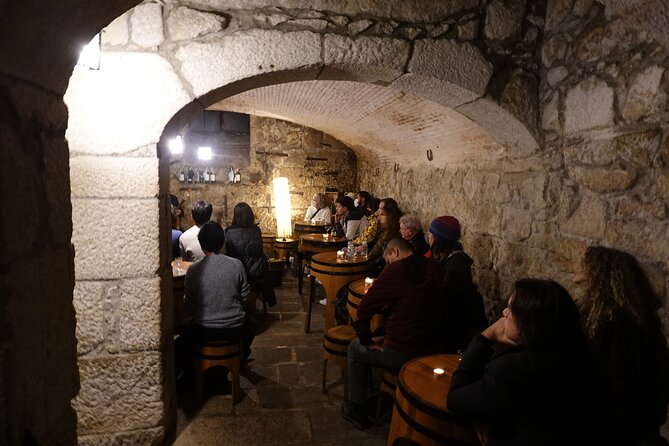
x: 360, y: 361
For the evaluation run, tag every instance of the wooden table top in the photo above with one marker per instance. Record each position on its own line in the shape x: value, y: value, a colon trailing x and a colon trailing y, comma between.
x: 311, y: 225
x: 330, y: 258
x: 417, y: 377
x: 357, y: 287
x: 184, y: 266
x: 318, y: 239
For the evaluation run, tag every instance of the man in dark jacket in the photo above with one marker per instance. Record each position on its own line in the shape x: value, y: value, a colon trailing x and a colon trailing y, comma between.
x: 406, y: 293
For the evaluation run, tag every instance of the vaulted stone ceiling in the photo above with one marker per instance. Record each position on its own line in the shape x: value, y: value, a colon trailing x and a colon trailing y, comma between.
x: 376, y: 121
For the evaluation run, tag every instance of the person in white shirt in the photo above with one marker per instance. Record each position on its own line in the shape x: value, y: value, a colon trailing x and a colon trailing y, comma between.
x: 318, y: 210
x: 188, y: 242
x: 348, y: 223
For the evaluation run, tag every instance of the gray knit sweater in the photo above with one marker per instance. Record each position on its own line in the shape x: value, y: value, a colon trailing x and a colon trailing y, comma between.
x: 216, y: 291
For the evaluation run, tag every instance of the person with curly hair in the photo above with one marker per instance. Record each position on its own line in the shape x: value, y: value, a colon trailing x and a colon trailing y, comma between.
x: 618, y: 309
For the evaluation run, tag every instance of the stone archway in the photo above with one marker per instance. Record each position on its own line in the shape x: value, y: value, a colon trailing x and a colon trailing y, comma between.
x: 117, y: 117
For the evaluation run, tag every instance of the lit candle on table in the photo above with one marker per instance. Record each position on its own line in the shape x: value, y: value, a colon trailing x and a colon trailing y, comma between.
x: 368, y: 283
x: 438, y: 371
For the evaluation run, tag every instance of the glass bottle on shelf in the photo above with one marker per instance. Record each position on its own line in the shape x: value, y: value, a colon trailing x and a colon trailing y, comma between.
x: 206, y: 175
x: 191, y: 175
x: 212, y: 176
x: 182, y: 177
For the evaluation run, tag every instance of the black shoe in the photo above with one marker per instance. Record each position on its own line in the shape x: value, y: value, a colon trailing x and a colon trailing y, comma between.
x: 356, y: 415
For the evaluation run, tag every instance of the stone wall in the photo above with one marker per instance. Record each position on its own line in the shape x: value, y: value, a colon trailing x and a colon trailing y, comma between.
x: 38, y: 364
x: 311, y: 160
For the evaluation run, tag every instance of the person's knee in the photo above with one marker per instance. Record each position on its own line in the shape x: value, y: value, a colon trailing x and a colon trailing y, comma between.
x: 354, y: 347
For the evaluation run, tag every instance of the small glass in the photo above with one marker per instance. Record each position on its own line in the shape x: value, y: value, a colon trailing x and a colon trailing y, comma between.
x: 368, y: 283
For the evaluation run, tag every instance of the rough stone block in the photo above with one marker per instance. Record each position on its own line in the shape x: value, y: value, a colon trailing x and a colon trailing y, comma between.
x: 642, y: 92
x: 119, y: 393
x: 556, y: 74
x: 589, y: 219
x: 553, y: 50
x: 116, y: 33
x: 556, y: 12
x: 616, y: 178
x: 516, y: 224
x: 124, y: 105
x: 448, y: 72
x: 550, y: 116
x: 131, y: 249
x: 90, y: 315
x: 110, y: 177
x: 144, y: 436
x: 589, y: 105
x: 368, y: 59
x: 311, y: 24
x: 504, y: 19
x: 186, y: 23
x: 208, y: 66
x: 139, y: 312
x: 147, y: 25
x: 626, y: 234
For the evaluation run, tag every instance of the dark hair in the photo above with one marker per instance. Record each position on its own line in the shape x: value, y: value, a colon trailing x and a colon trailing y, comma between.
x: 201, y: 212
x: 546, y: 316
x: 345, y: 201
x: 243, y: 216
x: 615, y: 281
x: 441, y: 249
x: 373, y: 204
x: 393, y: 220
x: 364, y: 194
x: 399, y: 243
x: 211, y: 237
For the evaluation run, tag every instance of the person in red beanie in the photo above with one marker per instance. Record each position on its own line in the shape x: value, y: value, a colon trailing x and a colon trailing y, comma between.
x: 461, y: 305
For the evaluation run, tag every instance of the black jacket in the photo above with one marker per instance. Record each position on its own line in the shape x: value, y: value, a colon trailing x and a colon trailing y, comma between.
x: 461, y: 305
x: 245, y: 244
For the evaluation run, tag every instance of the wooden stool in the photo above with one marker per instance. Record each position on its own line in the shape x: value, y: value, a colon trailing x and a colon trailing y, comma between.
x: 228, y: 355
x: 335, y: 346
x: 388, y: 386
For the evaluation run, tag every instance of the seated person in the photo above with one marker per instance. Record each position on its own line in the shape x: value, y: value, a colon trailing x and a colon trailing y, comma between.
x: 405, y: 292
x: 216, y: 291
x: 412, y: 230
x: 348, y: 223
x: 361, y: 203
x: 619, y: 311
x: 370, y: 231
x: 243, y: 241
x: 389, y: 227
x: 460, y: 303
x: 176, y: 233
x: 189, y: 246
x: 513, y: 381
x: 318, y: 210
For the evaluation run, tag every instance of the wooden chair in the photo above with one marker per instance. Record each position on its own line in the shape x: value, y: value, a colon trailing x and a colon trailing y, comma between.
x: 228, y: 355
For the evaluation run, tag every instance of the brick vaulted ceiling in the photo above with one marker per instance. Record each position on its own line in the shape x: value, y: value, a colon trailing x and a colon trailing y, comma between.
x: 378, y: 122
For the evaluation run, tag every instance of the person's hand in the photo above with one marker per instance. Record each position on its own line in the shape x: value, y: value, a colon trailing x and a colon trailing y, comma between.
x: 377, y: 344
x: 496, y: 332
x: 482, y: 432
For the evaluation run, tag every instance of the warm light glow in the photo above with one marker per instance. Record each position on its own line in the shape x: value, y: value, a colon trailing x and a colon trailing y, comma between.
x: 438, y: 371
x: 177, y: 145
x: 204, y: 153
x: 282, y: 207
x: 90, y: 54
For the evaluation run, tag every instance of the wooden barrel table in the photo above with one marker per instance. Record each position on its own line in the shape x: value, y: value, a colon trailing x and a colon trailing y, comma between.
x: 311, y: 244
x: 283, y: 246
x: 420, y: 413
x: 334, y: 274
x: 356, y: 292
x: 307, y: 227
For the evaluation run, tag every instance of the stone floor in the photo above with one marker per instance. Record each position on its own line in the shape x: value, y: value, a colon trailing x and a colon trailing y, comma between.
x: 282, y: 402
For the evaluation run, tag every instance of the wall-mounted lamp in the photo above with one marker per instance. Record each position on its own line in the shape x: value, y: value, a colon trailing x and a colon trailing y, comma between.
x: 177, y: 145
x: 90, y: 54
x: 282, y: 207
x: 204, y: 153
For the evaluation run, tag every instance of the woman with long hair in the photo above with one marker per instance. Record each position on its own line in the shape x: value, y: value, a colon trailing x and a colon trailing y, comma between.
x: 527, y: 379
x: 389, y: 227
x: 461, y: 305
x: 243, y: 241
x: 618, y: 309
